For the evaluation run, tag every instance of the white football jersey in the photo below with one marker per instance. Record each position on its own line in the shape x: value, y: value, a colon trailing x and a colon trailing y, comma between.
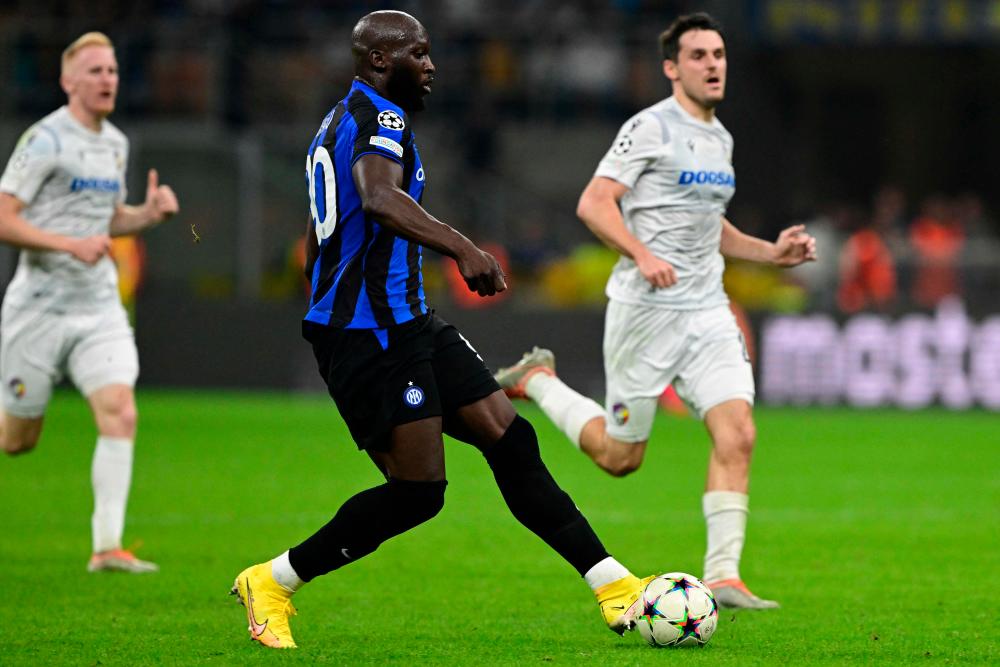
x: 680, y: 177
x: 71, y: 180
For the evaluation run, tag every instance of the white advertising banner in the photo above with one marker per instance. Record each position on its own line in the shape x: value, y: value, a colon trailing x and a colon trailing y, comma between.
x: 872, y: 360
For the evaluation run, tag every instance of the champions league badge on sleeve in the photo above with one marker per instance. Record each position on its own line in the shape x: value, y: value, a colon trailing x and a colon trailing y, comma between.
x: 413, y: 395
x: 390, y: 120
x: 623, y: 145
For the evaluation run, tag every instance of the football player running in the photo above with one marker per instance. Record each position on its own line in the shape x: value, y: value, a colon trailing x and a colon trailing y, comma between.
x: 62, y: 196
x: 659, y: 198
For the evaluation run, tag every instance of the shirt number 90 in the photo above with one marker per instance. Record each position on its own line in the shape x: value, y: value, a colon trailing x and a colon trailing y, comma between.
x: 322, y: 192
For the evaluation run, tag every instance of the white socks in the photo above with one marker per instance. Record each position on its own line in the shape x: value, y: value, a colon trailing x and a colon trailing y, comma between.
x: 568, y: 410
x: 726, y: 520
x: 284, y: 574
x: 111, y: 477
x: 604, y: 573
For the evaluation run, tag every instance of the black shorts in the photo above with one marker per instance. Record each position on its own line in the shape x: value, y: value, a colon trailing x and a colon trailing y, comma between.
x: 427, y: 369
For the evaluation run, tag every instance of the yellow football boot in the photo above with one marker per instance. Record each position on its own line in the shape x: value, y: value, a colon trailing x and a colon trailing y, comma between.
x: 268, y: 606
x: 619, y: 602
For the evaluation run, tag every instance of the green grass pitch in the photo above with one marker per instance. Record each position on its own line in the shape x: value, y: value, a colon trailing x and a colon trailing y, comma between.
x: 877, y: 531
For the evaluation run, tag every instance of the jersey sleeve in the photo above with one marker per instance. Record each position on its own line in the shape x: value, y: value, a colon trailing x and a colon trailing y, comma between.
x: 638, y: 145
x: 380, y: 131
x: 30, y: 164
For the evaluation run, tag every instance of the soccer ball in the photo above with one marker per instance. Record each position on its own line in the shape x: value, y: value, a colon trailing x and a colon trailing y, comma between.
x: 677, y: 610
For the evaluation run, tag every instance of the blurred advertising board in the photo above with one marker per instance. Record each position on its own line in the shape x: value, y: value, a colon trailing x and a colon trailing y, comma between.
x: 868, y: 360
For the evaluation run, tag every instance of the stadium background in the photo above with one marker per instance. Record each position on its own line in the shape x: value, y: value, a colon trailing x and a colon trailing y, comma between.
x: 877, y: 529
x: 873, y: 122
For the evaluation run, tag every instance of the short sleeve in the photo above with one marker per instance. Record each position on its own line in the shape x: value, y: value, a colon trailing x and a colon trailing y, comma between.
x: 639, y: 143
x: 30, y: 164
x: 380, y: 132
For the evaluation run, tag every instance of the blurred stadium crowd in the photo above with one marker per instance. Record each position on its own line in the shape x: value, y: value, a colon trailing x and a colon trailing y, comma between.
x: 223, y: 96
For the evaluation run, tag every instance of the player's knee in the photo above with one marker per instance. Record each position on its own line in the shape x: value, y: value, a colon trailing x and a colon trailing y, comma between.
x: 518, y: 448
x: 736, y: 445
x: 18, y: 436
x: 746, y: 436
x: 621, y: 467
x: 15, y: 444
x: 119, y: 419
x: 621, y: 458
x: 421, y: 500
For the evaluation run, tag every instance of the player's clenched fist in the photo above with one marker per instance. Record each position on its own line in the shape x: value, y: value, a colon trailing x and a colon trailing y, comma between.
x: 657, y: 272
x: 794, y: 247
x: 91, y: 249
x: 481, y: 271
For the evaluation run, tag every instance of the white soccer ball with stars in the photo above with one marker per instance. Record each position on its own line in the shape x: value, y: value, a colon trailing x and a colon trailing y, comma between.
x: 677, y: 609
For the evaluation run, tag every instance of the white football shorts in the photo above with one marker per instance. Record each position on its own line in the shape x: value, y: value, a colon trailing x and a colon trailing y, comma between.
x: 701, y: 352
x: 38, y: 348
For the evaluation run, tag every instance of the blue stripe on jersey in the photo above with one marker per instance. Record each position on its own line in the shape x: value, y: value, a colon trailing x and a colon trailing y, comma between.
x: 365, y: 277
x: 396, y: 285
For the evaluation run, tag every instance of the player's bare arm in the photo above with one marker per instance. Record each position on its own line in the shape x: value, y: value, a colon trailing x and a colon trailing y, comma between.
x: 792, y: 248
x: 160, y: 205
x: 379, y: 180
x: 17, y: 231
x: 599, y: 209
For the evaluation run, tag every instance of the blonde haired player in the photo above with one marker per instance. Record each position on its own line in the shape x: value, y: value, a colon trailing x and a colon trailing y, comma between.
x: 62, y: 196
x: 659, y: 198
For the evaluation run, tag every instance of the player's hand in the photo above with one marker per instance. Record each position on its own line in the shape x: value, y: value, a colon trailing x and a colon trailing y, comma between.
x: 161, y: 202
x: 794, y: 247
x: 91, y: 249
x: 481, y: 271
x: 657, y: 272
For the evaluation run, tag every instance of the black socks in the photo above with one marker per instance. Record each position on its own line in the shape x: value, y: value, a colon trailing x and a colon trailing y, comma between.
x: 536, y: 500
x: 364, y: 522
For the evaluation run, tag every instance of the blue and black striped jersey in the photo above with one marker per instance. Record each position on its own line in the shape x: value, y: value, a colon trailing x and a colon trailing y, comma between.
x: 364, y: 276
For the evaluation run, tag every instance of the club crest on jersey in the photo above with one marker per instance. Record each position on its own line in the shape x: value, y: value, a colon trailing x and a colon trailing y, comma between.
x: 17, y: 388
x: 390, y: 120
x: 623, y: 145
x: 413, y: 395
x: 619, y: 412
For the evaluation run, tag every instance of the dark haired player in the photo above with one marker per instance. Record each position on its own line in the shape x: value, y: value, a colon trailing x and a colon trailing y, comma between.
x: 399, y: 375
x: 659, y: 198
